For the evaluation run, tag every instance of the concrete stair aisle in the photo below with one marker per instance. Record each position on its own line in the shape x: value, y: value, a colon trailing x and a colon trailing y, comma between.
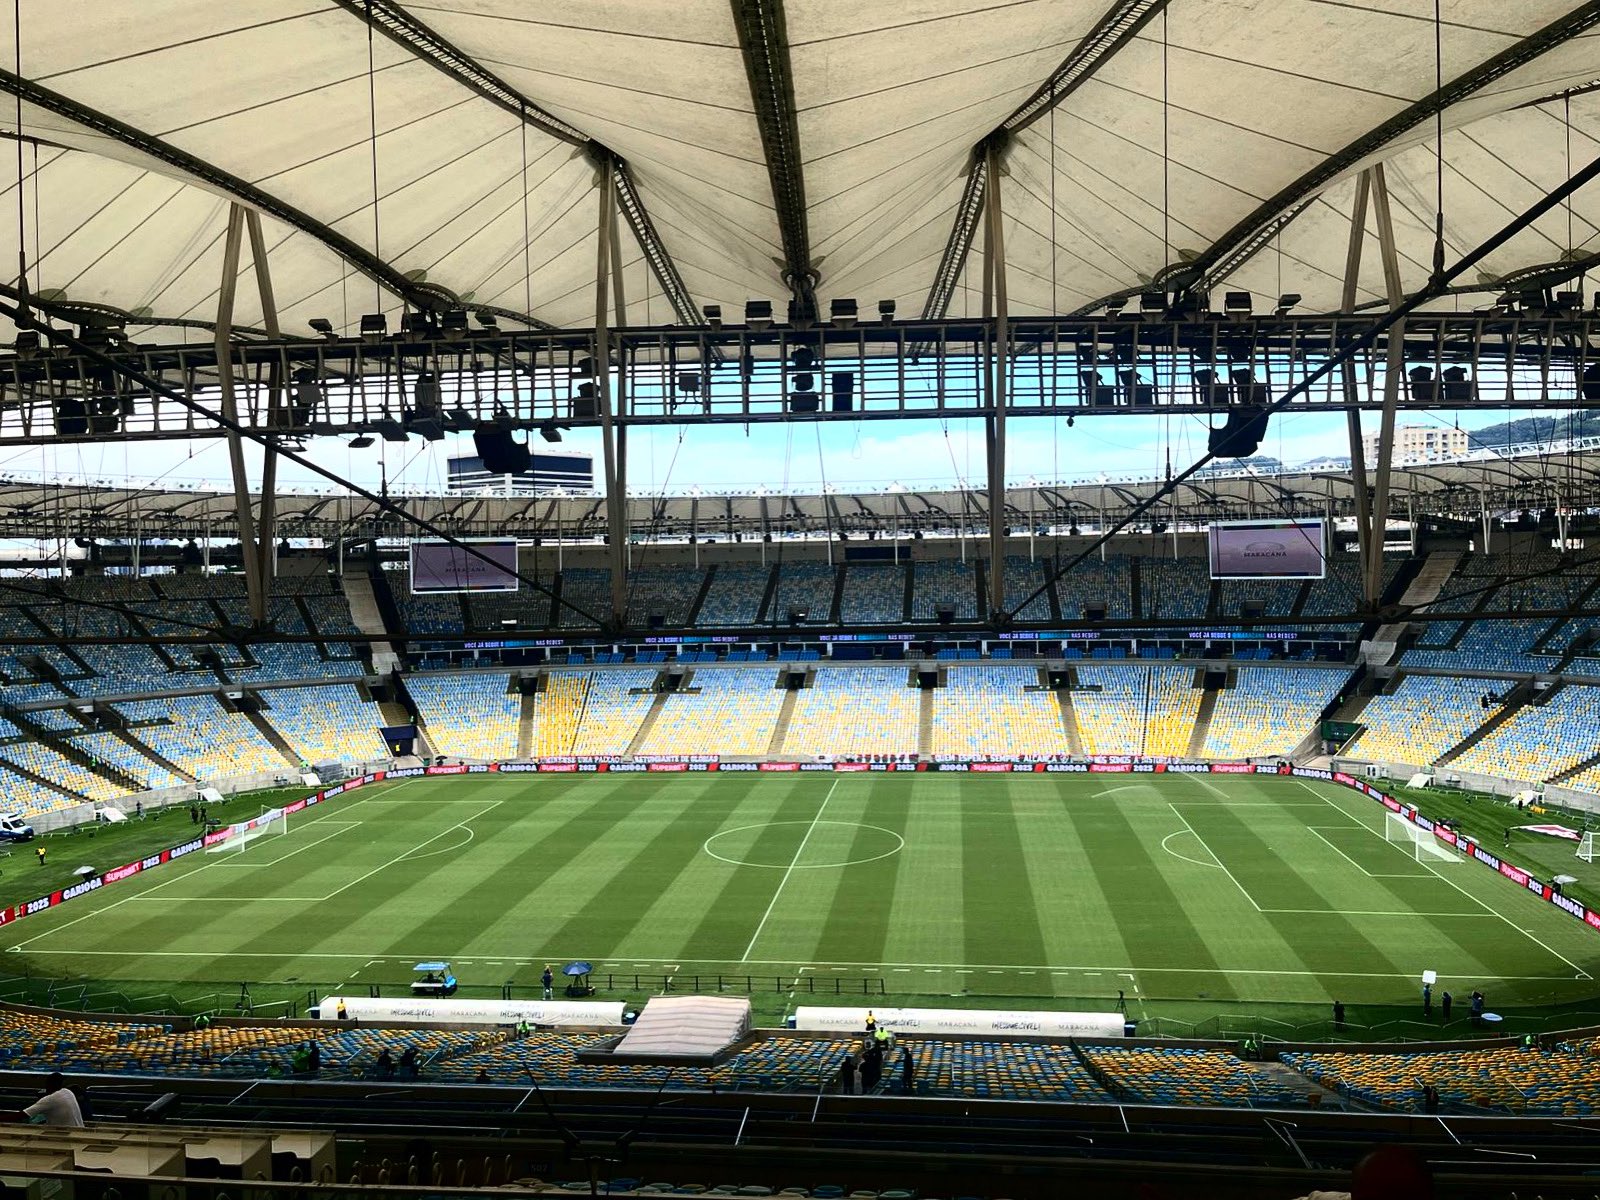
x: 394, y: 713
x: 1069, y: 722
x: 925, y: 722
x: 279, y: 742
x: 780, y: 731
x: 1202, y: 722
x: 72, y: 753
x: 368, y: 618
x: 1423, y: 589
x: 1276, y: 1077
x: 525, y: 730
x: 648, y: 723
x: 161, y: 760
x: 1520, y: 696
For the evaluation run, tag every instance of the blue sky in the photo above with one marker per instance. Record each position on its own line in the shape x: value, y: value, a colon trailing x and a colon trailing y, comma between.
x: 858, y: 454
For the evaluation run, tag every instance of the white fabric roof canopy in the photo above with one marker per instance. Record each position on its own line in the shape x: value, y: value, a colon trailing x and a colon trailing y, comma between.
x: 888, y: 101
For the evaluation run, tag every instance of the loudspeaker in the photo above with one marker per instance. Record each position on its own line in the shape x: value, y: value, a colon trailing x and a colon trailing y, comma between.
x: 844, y: 387
x: 1241, y: 436
x: 72, y: 416
x: 803, y: 402
x: 586, y: 403
x: 501, y: 453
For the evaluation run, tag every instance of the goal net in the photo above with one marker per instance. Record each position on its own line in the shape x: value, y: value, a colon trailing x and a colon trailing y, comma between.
x: 1586, y: 846
x: 1419, y: 842
x: 271, y: 823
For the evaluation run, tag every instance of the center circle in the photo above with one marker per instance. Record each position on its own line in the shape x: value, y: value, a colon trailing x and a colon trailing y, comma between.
x: 892, y: 842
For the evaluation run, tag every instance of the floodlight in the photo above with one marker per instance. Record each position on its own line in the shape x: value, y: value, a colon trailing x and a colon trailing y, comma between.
x: 1238, y: 304
x: 886, y: 309
x: 1287, y: 301
x: 360, y: 442
x: 1152, y: 302
x: 323, y: 326
x: 374, y: 326
x: 550, y: 431
x: 713, y: 313
x: 842, y: 312
x: 758, y: 314
x: 486, y: 319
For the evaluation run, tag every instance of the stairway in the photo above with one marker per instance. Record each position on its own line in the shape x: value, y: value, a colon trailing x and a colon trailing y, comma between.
x: 73, y: 753
x: 648, y: 723
x: 525, y: 729
x: 1278, y: 1077
x: 394, y: 713
x: 781, y: 729
x: 368, y: 618
x: 1519, y: 697
x: 1423, y: 589
x: 160, y: 760
x: 290, y: 754
x: 925, y: 722
x: 1202, y: 723
x: 1069, y: 722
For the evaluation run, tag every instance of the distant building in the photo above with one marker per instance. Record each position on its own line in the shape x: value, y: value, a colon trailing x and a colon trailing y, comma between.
x: 572, y: 471
x: 1420, y: 443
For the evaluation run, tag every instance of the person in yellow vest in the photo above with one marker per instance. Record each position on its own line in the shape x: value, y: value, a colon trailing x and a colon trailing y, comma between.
x: 39, y: 850
x: 872, y: 1021
x: 341, y: 1012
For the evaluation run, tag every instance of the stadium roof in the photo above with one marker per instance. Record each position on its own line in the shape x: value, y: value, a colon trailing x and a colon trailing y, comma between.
x: 759, y: 142
x: 1537, y: 480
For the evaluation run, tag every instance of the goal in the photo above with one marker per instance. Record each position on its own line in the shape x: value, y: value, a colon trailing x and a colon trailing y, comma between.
x: 270, y: 823
x: 1421, y: 843
x: 1586, y: 846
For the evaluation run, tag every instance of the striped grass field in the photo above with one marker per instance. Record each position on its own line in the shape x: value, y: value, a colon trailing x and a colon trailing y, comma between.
x: 1029, y: 890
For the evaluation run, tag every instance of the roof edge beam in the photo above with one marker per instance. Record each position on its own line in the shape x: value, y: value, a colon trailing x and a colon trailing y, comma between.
x: 228, y: 184
x: 764, y: 41
x: 1115, y: 29
x: 1235, y: 247
x: 395, y: 23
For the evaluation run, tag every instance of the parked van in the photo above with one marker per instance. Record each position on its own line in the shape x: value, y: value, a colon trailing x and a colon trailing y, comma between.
x: 14, y: 829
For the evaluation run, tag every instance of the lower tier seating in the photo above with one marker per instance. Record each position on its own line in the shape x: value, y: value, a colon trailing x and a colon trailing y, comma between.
x: 855, y: 710
x: 468, y: 716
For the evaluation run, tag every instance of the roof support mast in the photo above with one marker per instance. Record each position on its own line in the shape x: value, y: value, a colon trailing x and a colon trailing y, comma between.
x: 995, y: 305
x: 249, y: 546
x: 616, y: 502
x: 1358, y: 452
x: 267, y: 533
x: 1393, y: 375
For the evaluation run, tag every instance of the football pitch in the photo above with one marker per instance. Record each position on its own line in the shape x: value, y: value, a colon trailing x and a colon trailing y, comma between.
x: 1185, y: 893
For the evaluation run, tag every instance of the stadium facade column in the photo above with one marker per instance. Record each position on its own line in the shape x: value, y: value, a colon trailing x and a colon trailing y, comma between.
x: 1358, y: 453
x: 995, y: 306
x: 616, y: 502
x: 1393, y: 373
x: 226, y: 291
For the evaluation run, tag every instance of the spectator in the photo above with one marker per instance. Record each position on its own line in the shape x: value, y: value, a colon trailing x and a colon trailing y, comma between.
x: 871, y: 1067
x: 1445, y: 1001
x: 409, y: 1068
x: 384, y: 1064
x: 1427, y: 1000
x: 341, y: 1012
x: 908, y: 1071
x: 1338, y: 1011
x: 847, y: 1074
x: 548, y: 979
x: 58, y: 1105
x: 482, y: 1076
x: 313, y: 1057
x: 1430, y: 1098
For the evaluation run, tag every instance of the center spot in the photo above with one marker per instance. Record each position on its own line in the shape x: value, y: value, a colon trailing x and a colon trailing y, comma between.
x: 819, y: 844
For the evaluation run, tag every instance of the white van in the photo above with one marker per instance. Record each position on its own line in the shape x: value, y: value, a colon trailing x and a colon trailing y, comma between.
x: 14, y: 829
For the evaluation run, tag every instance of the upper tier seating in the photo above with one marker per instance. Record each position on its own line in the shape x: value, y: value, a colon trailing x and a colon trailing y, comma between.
x: 429, y: 614
x: 1542, y: 740
x: 667, y: 590
x: 983, y: 710
x: 874, y: 593
x: 327, y: 724
x: 804, y: 587
x: 1269, y: 710
x: 939, y: 583
x: 584, y: 590
x: 1425, y: 716
x: 1094, y: 582
x: 734, y: 712
x: 854, y: 710
x: 1172, y: 588
x: 201, y: 737
x: 734, y: 597
x: 468, y: 716
x: 1028, y: 585
x: 612, y: 711
x: 1140, y: 710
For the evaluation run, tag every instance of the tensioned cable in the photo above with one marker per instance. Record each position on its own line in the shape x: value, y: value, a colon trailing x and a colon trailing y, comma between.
x: 1438, y: 142
x: 1166, y: 153
x: 372, y: 120
x: 527, y: 269
x: 22, y: 218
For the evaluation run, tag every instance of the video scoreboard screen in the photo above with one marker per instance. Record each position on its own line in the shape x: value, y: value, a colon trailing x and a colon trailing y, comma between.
x: 1268, y: 549
x: 438, y: 567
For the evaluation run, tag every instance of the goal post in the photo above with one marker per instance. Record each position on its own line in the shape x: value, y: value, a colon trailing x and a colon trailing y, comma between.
x: 1413, y: 838
x: 271, y: 823
x: 1586, y: 846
